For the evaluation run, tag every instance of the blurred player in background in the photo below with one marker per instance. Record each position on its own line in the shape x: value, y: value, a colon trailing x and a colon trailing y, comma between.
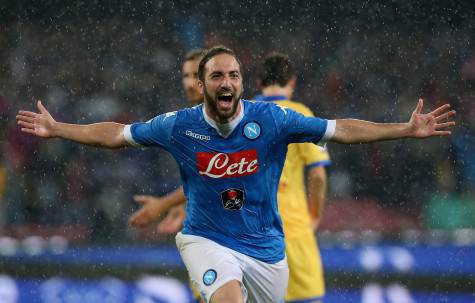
x: 231, y: 153
x: 173, y: 203
x: 306, y: 283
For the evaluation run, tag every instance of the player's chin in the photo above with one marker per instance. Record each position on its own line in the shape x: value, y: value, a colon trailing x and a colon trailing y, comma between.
x: 226, y: 113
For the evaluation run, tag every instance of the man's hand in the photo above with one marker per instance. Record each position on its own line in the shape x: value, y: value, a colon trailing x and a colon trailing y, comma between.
x: 434, y: 123
x: 39, y: 124
x: 151, y: 210
x: 173, y: 222
x: 42, y: 124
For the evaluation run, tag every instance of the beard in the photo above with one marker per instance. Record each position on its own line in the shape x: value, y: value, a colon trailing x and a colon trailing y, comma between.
x: 219, y: 107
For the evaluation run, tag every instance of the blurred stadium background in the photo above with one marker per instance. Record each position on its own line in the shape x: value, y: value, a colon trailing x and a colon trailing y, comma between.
x: 400, y: 217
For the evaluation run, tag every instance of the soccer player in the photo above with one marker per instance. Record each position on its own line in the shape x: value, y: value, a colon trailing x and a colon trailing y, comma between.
x: 231, y: 153
x: 306, y: 284
x: 173, y: 202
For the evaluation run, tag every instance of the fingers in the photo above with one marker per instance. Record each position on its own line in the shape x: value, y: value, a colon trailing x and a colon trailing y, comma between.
x: 444, y: 125
x: 138, y: 219
x: 442, y: 133
x: 445, y: 116
x: 28, y: 130
x: 419, y: 106
x: 164, y: 227
x: 440, y: 110
x: 26, y: 124
x: 169, y: 226
x: 25, y: 113
x: 142, y: 199
x: 24, y: 118
x: 41, y: 108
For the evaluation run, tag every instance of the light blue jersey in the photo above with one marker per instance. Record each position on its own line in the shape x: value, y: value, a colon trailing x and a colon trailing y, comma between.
x: 231, y: 182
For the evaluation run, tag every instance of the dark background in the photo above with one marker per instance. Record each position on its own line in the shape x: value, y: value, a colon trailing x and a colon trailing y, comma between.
x: 92, y: 61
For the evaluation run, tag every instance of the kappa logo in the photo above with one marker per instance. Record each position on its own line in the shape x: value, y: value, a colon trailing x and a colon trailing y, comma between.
x: 283, y: 108
x: 221, y: 165
x: 197, y: 136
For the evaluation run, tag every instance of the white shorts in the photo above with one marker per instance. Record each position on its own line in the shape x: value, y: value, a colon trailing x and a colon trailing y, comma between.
x: 211, y: 265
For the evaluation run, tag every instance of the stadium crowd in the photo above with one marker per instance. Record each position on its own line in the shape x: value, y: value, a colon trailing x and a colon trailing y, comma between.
x: 127, y: 69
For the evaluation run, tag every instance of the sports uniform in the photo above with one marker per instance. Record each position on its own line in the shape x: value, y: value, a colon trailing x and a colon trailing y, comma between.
x: 306, y: 282
x: 231, y: 183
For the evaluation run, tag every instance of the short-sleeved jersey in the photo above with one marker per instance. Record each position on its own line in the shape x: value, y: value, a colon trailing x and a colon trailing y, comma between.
x: 291, y: 195
x: 231, y: 183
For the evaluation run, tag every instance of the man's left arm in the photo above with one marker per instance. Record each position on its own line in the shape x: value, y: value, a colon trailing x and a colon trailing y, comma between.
x: 420, y: 125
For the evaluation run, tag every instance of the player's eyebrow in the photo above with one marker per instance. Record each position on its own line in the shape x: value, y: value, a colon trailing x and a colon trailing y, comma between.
x: 216, y: 73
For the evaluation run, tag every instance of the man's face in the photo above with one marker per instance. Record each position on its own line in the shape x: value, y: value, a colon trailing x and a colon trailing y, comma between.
x: 222, y: 86
x: 192, y: 90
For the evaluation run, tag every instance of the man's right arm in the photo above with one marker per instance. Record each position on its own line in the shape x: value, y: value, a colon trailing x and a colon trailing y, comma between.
x: 42, y: 124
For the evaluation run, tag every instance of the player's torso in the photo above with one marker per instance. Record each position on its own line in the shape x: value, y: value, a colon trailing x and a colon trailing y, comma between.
x: 230, y: 182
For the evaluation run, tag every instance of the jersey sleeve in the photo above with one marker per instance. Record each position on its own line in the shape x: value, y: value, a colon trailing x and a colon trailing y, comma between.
x: 296, y: 128
x: 155, y: 132
x: 314, y: 155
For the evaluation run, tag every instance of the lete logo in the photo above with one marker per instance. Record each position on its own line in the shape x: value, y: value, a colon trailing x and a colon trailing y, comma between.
x: 221, y: 165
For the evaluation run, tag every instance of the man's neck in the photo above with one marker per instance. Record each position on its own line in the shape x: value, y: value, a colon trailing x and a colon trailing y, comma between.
x: 218, y: 120
x: 277, y: 90
x: 224, y: 128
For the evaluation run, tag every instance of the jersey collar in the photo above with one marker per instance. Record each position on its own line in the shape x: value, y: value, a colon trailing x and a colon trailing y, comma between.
x: 270, y: 98
x: 224, y: 129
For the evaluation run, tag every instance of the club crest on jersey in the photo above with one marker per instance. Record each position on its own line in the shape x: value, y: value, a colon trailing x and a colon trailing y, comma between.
x: 252, y: 130
x: 209, y: 277
x: 222, y: 165
x: 232, y: 198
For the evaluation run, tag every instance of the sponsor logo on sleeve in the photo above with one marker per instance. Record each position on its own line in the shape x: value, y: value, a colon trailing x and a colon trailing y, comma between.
x: 222, y: 165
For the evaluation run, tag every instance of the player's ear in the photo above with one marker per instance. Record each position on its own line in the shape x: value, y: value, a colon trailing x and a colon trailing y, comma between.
x: 293, y: 82
x: 201, y: 86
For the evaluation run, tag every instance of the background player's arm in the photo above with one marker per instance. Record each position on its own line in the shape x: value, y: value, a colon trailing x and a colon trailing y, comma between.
x: 420, y: 125
x: 154, y: 207
x: 173, y: 221
x: 317, y: 189
x: 42, y: 124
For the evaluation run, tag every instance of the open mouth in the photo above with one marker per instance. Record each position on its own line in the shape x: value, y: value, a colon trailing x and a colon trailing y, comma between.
x: 226, y: 97
x: 225, y: 102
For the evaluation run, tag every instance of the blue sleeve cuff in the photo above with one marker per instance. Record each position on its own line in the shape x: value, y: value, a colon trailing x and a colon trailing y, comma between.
x: 319, y: 163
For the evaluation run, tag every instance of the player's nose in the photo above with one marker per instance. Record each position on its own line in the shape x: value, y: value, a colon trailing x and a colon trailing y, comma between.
x: 226, y: 83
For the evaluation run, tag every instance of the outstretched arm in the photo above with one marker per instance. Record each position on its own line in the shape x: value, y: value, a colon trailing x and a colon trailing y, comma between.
x: 420, y: 125
x: 42, y: 124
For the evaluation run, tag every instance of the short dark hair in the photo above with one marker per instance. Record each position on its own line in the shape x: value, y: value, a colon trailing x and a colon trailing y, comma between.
x: 195, y: 54
x: 277, y: 69
x: 212, y: 52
